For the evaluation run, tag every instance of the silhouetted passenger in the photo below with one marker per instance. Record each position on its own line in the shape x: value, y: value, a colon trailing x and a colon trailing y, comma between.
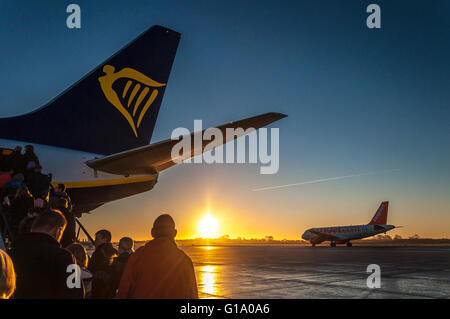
x: 41, y: 263
x: 31, y: 166
x: 124, y: 250
x: 7, y: 276
x: 100, y: 265
x: 103, y: 236
x: 38, y: 183
x: 29, y: 156
x: 26, y: 223
x: 8, y: 195
x: 60, y: 192
x: 159, y: 269
x: 5, y: 178
x: 61, y: 201
x: 102, y: 279
x: 81, y: 257
x: 3, y: 161
x: 20, y: 205
x: 16, y: 181
x: 15, y: 160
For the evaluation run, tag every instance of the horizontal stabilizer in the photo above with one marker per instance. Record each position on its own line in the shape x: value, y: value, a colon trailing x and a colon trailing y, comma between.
x: 157, y: 157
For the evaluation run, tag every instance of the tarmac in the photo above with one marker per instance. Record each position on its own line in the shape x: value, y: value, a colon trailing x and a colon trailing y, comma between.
x: 320, y: 272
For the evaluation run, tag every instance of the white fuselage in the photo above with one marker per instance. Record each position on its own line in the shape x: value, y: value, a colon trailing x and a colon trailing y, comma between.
x: 65, y: 165
x: 344, y: 233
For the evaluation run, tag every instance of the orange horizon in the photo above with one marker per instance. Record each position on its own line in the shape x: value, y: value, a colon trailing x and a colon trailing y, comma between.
x: 263, y: 238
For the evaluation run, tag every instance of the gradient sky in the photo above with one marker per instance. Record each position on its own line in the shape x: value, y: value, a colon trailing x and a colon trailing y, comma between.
x: 358, y: 101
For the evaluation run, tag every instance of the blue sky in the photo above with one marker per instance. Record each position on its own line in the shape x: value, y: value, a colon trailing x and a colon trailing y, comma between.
x: 359, y: 100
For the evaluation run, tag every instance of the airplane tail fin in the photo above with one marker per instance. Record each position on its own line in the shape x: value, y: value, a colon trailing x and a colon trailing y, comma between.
x: 380, y: 217
x: 110, y: 110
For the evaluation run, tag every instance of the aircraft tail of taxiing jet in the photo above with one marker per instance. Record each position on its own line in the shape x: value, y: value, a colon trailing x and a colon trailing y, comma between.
x: 95, y: 135
x: 343, y: 234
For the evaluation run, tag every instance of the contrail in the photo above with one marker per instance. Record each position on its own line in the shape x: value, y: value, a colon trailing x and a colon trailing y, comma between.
x: 323, y: 180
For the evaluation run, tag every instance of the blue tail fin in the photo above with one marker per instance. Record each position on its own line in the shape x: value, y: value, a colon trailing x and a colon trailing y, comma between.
x: 113, y: 108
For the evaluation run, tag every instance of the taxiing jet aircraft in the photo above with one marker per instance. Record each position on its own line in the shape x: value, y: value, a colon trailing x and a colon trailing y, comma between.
x: 95, y: 136
x: 343, y: 234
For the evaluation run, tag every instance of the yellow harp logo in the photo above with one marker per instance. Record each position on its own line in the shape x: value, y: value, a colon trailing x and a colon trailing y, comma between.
x: 138, y: 80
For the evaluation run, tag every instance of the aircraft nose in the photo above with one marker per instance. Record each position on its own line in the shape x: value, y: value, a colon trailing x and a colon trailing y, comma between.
x: 306, y: 235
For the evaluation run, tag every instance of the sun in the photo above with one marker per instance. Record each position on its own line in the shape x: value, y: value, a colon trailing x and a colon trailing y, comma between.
x: 208, y: 226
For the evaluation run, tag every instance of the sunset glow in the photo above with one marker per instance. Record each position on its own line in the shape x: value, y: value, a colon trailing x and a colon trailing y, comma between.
x: 208, y: 226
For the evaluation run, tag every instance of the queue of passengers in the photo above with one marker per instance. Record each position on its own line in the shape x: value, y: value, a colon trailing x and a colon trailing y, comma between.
x: 37, y: 265
x: 44, y: 247
x: 25, y: 192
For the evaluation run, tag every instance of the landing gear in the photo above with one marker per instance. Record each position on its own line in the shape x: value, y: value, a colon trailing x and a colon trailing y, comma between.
x: 333, y: 244
x: 313, y: 245
x: 349, y: 244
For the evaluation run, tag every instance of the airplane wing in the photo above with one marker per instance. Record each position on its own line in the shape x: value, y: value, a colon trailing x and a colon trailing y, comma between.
x: 326, y: 236
x: 157, y: 157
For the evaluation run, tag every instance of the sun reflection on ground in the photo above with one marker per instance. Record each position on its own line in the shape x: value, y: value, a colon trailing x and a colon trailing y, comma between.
x: 208, y: 247
x: 207, y: 280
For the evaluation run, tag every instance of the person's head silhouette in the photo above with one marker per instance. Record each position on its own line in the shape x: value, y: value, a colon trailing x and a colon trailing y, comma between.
x: 164, y: 226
